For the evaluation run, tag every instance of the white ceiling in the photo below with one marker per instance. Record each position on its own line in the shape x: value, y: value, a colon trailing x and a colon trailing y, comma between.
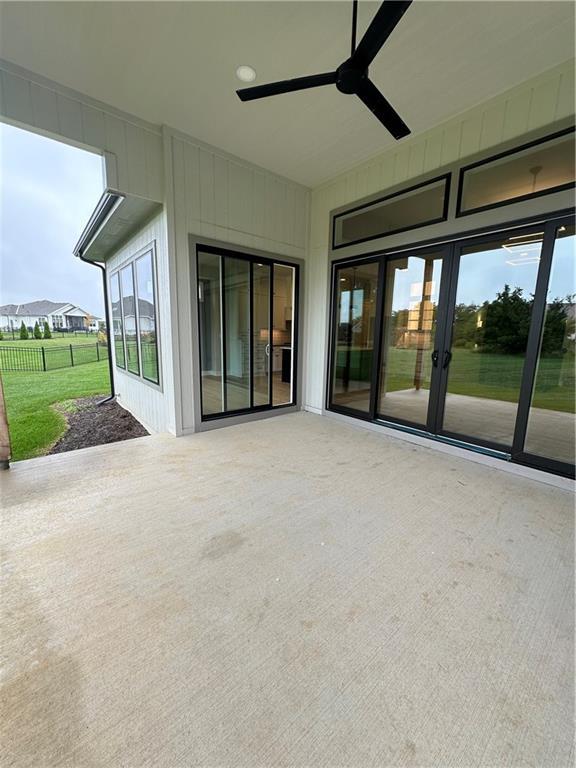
x: 175, y: 63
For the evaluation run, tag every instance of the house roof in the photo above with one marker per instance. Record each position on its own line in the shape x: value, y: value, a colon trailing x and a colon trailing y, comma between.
x: 441, y: 60
x: 41, y: 307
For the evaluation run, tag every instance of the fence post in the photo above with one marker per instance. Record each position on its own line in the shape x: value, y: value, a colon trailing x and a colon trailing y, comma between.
x: 71, y: 356
x: 97, y: 352
x: 43, y: 358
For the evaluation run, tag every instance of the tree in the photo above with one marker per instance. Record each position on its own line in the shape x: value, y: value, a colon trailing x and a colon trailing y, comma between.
x: 1, y: 335
x: 47, y: 334
x: 558, y: 327
x: 506, y: 322
x: 23, y: 331
x: 37, y: 331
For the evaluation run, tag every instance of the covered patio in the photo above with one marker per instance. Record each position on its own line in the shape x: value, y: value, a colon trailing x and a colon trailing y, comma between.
x: 270, y: 594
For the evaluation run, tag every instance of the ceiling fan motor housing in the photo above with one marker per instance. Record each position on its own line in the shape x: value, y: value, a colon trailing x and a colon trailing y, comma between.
x: 350, y: 77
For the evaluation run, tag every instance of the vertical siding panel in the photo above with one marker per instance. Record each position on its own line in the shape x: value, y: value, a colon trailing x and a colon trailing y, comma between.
x: 154, y: 165
x: 220, y: 191
x: 516, y: 115
x: 116, y: 143
x: 136, y: 159
x: 566, y: 90
x: 492, y: 126
x: 433, y: 152
x: 94, y: 128
x: 192, y: 180
x: 543, y: 105
x: 401, y: 165
x: 17, y: 98
x: 451, y: 138
x: 416, y: 160
x: 470, y: 142
x: 206, y: 186
x: 44, y: 108
x: 259, y: 203
x: 70, y: 118
x: 240, y: 197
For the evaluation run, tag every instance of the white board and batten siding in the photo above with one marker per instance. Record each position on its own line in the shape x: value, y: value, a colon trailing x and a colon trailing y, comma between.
x: 540, y: 102
x: 152, y: 405
x: 220, y: 197
x: 132, y: 149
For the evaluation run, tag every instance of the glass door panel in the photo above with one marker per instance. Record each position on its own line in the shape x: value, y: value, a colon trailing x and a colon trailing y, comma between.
x: 282, y: 346
x: 236, y: 334
x: 355, y: 291
x: 243, y: 365
x: 261, y: 333
x: 487, y: 346
x: 411, y: 290
x: 551, y: 421
x: 210, y: 329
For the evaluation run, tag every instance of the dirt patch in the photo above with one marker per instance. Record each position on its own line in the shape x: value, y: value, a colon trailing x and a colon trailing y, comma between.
x: 92, y: 424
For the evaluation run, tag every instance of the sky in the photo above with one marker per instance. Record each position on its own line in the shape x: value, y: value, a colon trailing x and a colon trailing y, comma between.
x: 48, y: 191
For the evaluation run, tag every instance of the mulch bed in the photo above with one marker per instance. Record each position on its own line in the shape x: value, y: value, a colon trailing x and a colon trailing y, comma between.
x: 92, y: 424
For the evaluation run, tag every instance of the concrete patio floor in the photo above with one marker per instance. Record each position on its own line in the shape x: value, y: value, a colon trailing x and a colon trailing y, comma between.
x: 291, y: 592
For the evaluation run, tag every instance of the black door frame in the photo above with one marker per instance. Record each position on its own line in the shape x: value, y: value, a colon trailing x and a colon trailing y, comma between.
x: 251, y: 259
x: 446, y: 306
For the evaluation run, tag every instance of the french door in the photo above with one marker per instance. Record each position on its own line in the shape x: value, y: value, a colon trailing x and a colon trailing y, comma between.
x: 247, y: 322
x: 473, y: 341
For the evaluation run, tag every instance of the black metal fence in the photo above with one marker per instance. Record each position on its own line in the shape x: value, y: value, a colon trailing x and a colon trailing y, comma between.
x: 50, y: 358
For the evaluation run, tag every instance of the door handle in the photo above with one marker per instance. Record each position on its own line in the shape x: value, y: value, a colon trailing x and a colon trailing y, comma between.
x: 447, y: 358
x: 267, y: 349
x: 434, y: 357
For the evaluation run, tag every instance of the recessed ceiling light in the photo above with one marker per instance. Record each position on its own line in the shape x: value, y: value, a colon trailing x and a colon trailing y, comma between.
x: 245, y: 73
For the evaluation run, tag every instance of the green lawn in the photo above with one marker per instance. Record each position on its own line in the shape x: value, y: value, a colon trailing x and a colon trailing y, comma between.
x: 478, y: 374
x: 62, y: 340
x: 34, y: 425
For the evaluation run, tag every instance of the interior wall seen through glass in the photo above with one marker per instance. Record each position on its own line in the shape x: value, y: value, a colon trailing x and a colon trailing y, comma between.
x: 283, y: 335
x: 237, y: 333
x: 210, y: 329
x: 356, y: 289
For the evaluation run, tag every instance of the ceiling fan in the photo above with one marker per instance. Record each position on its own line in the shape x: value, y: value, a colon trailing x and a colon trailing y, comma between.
x: 352, y: 75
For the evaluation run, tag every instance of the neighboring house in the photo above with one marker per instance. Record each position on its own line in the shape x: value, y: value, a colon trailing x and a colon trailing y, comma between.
x: 60, y: 316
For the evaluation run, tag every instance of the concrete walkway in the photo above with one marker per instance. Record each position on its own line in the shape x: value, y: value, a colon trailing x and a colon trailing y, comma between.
x: 292, y: 592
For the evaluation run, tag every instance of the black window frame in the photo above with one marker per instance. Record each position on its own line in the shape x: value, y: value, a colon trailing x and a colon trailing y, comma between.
x: 508, y: 153
x: 514, y: 453
x: 252, y: 259
x: 116, y: 273
x: 446, y: 177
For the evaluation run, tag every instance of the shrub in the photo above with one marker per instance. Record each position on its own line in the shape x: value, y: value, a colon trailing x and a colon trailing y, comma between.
x: 23, y: 331
x: 1, y: 336
x: 47, y: 334
x: 37, y: 331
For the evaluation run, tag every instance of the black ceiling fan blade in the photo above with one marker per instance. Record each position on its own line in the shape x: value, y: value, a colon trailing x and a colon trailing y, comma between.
x: 380, y: 29
x: 382, y: 109
x: 285, y: 86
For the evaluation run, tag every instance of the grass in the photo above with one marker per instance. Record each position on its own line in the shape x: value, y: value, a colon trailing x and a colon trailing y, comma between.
x: 491, y: 376
x: 34, y: 425
x: 63, y: 340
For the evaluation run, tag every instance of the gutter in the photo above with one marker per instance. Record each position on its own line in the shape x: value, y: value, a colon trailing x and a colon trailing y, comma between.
x: 106, y: 206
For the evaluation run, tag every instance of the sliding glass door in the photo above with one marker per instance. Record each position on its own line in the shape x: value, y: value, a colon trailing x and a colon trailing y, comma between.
x: 471, y: 342
x: 247, y: 332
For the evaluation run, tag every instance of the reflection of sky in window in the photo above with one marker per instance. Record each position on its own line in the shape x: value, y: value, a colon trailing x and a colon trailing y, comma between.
x: 357, y: 304
x: 408, y: 284
x: 483, y: 274
x: 562, y: 277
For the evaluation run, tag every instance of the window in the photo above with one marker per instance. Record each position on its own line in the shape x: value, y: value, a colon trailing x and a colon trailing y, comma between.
x: 117, y: 330
x: 134, y: 317
x: 414, y: 207
x: 552, y: 420
x: 535, y: 169
x: 147, y: 317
